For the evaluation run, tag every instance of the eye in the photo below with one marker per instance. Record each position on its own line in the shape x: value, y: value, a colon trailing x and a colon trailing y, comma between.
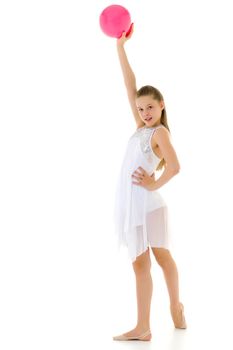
x: 150, y: 106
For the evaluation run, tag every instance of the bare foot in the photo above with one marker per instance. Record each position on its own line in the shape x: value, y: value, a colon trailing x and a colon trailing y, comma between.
x: 137, y: 332
x: 177, y: 313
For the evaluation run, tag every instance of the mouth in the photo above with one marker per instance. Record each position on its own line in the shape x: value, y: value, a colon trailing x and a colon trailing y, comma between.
x: 148, y: 119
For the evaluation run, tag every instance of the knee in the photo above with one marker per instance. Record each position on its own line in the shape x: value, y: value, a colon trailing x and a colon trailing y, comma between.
x: 142, y: 264
x: 162, y: 256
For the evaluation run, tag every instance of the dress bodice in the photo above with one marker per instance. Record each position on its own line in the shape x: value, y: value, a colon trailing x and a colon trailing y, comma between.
x: 142, y: 137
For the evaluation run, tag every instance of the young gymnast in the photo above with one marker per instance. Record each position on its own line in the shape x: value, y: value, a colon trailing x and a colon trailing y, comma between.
x: 141, y: 214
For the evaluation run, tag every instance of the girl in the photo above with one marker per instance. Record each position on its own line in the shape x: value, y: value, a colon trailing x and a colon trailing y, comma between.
x: 141, y: 214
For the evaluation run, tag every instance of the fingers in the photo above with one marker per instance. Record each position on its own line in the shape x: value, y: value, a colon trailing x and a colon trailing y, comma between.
x: 130, y: 31
x: 142, y: 171
x: 138, y: 174
x: 140, y: 177
x: 122, y: 38
x: 127, y: 34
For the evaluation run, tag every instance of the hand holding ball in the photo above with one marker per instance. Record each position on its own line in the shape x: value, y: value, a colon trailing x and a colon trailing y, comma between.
x: 114, y: 20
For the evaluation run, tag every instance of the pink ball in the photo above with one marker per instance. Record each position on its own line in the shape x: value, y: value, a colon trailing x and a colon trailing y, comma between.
x: 115, y: 19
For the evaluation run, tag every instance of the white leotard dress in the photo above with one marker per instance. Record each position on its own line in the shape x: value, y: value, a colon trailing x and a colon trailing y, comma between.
x: 140, y: 216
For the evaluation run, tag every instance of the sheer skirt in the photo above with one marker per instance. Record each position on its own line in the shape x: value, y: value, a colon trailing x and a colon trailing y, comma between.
x: 158, y: 230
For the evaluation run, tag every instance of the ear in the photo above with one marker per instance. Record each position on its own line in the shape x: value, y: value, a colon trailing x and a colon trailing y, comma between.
x: 162, y: 105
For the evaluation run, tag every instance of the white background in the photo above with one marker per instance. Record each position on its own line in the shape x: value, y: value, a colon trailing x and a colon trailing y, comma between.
x: 64, y: 125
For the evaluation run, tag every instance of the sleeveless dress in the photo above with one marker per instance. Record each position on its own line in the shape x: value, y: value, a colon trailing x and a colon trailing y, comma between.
x: 140, y: 215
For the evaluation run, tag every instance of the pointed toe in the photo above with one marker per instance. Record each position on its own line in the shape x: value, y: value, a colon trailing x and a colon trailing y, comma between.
x: 179, y: 323
x: 119, y: 337
x: 145, y: 337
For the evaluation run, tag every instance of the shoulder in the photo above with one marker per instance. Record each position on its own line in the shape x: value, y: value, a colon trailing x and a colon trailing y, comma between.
x: 161, y: 135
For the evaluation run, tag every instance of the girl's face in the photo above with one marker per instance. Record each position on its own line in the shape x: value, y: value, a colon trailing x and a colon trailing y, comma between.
x: 149, y: 109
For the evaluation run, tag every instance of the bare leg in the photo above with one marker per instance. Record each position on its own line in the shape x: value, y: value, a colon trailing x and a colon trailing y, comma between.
x: 171, y: 276
x: 144, y: 288
x: 170, y: 272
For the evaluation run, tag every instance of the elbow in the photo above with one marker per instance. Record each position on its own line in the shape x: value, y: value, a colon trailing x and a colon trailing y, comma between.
x: 176, y: 170
x: 173, y: 171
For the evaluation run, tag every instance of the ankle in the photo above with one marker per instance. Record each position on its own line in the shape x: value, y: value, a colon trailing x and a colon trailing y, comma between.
x: 142, y: 327
x: 175, y: 305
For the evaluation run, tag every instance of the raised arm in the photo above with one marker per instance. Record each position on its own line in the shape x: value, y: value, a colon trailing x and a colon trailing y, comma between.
x: 128, y: 75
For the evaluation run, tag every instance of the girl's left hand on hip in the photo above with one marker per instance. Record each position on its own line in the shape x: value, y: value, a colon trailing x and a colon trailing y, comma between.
x: 144, y: 179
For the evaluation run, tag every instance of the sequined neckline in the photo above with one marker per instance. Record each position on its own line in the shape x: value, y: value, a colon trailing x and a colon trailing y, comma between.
x: 148, y: 128
x: 145, y: 139
x: 152, y: 127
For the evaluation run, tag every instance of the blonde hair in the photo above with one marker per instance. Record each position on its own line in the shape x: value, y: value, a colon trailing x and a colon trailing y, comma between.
x: 149, y: 90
